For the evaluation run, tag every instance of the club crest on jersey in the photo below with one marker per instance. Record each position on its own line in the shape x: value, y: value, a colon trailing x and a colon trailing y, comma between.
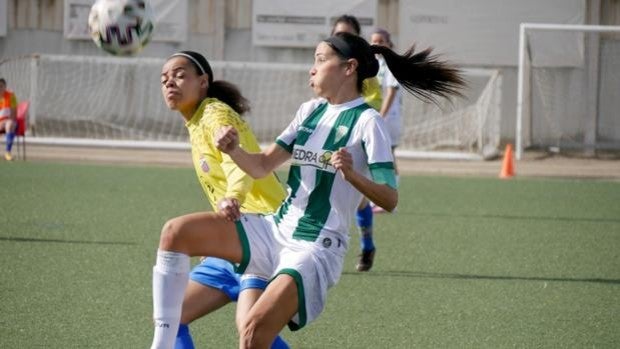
x: 204, y: 166
x: 341, y: 131
x: 308, y: 157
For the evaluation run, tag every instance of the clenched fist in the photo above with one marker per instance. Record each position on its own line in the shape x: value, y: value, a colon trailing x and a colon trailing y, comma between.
x: 226, y: 139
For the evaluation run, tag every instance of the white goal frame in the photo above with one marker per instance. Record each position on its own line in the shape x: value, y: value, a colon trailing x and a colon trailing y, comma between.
x: 523, y: 112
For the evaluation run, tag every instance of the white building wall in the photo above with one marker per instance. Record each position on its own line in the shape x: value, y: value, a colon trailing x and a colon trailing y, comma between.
x: 221, y: 29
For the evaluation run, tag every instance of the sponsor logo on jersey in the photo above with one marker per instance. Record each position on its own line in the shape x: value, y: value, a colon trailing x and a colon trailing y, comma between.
x: 310, y: 157
x: 305, y: 129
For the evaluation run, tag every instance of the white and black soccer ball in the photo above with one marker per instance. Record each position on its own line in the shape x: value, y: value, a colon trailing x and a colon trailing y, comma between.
x: 121, y: 27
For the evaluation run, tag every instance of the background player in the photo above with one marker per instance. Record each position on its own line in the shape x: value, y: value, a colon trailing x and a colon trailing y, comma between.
x: 391, y: 93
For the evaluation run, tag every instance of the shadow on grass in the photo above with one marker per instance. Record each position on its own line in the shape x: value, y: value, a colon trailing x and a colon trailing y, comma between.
x: 516, y: 217
x: 61, y: 241
x: 426, y: 275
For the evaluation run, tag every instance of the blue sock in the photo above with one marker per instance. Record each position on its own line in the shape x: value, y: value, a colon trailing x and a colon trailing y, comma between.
x: 279, y: 343
x: 184, y: 338
x: 9, y: 141
x: 364, y: 222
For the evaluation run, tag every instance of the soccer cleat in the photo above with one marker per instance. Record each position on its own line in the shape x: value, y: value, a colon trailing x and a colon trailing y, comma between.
x: 365, y: 261
x: 8, y: 156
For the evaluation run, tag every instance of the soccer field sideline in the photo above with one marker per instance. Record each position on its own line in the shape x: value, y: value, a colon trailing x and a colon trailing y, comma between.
x: 533, y: 165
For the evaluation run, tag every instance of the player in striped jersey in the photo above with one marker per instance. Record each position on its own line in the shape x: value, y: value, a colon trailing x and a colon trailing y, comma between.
x: 206, y: 106
x: 339, y: 150
x: 392, y: 95
x: 371, y: 91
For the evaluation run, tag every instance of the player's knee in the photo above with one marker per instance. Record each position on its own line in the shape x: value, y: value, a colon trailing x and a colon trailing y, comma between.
x: 171, y: 234
x: 251, y: 336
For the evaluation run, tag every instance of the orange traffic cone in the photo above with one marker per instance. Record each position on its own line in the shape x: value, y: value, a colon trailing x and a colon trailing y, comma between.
x: 508, y: 169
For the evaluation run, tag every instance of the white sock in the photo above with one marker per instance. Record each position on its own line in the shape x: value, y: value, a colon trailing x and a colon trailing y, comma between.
x: 170, y: 277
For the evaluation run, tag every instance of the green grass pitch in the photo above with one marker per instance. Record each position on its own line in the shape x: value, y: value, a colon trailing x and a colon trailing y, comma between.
x: 464, y: 263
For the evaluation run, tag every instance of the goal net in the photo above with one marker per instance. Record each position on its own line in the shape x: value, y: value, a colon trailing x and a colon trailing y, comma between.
x: 117, y: 102
x: 568, y: 87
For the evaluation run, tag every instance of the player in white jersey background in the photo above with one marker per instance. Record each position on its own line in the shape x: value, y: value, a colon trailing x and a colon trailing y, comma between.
x: 391, y: 93
x: 340, y: 151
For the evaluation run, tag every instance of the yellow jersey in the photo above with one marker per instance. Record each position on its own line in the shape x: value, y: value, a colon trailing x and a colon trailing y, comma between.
x: 217, y: 173
x: 371, y: 91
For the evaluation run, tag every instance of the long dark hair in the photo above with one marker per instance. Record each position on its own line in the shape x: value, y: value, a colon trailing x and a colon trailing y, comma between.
x: 220, y: 89
x: 420, y: 73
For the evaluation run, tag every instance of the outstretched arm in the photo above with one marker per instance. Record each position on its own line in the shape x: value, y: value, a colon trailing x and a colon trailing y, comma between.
x: 257, y: 165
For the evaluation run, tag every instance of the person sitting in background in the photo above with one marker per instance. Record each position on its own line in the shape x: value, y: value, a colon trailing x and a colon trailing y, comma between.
x: 8, y: 116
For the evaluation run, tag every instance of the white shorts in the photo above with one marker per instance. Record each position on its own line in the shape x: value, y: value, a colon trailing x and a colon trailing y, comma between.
x: 314, y: 265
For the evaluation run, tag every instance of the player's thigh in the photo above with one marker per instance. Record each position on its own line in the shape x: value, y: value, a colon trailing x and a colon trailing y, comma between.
x: 201, y: 300
x: 247, y: 299
x: 276, y: 306
x: 202, y: 234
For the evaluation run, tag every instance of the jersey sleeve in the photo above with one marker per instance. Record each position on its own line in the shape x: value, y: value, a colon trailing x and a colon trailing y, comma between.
x: 287, y: 138
x: 390, y: 80
x: 378, y: 151
x: 238, y: 183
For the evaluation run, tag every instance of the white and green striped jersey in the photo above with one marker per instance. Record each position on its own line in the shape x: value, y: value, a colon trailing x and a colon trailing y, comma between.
x: 319, y: 200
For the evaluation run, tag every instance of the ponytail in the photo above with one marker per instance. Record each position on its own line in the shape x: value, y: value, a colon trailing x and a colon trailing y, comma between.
x: 422, y: 74
x: 222, y: 90
x: 229, y: 94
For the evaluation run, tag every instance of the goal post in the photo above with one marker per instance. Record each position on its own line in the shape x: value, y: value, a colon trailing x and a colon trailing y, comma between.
x: 567, y: 75
x: 116, y: 102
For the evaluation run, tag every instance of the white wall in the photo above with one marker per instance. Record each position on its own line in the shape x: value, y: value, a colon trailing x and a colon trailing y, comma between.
x: 222, y: 30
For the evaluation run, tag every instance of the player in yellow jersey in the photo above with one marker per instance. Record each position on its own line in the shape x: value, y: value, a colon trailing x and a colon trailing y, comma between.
x: 371, y: 91
x: 208, y: 105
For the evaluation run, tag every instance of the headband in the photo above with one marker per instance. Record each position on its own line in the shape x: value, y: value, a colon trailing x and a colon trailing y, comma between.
x: 341, y: 46
x: 194, y: 60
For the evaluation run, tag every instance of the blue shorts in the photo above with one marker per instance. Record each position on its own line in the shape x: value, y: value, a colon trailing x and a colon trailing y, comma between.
x: 220, y: 274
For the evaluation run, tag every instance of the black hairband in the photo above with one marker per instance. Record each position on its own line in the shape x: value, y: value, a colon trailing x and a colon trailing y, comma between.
x: 341, y: 46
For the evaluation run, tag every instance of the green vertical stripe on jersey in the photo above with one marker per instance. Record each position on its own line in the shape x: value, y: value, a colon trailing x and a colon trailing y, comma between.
x: 317, y: 211
x: 305, y: 129
x: 309, y: 124
x: 294, y: 174
x: 293, y: 182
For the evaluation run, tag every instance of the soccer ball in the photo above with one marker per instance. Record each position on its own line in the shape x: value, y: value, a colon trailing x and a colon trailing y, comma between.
x: 121, y: 27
